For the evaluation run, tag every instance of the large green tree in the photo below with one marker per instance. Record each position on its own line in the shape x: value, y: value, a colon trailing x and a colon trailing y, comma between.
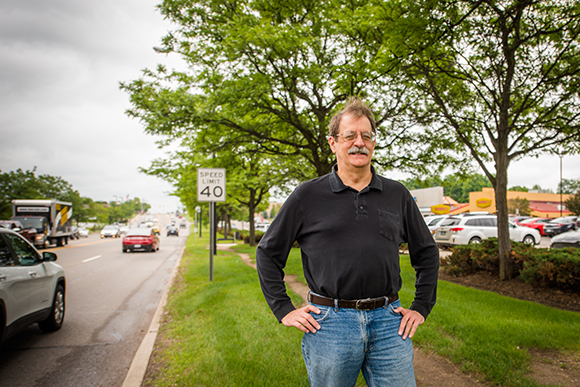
x: 499, y: 78
x: 269, y: 75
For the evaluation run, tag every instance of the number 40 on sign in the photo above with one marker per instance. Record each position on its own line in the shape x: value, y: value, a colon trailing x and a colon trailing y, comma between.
x: 211, y: 185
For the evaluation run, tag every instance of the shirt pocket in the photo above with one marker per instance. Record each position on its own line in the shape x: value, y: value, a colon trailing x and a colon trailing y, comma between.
x: 389, y: 225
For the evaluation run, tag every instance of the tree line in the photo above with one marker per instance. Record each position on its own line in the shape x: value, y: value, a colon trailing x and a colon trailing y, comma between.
x: 21, y: 184
x: 456, y: 85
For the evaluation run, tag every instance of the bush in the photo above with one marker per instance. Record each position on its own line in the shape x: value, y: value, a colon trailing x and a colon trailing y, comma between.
x: 258, y: 234
x: 559, y: 268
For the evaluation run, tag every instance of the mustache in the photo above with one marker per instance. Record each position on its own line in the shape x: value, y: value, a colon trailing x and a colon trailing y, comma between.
x: 355, y: 149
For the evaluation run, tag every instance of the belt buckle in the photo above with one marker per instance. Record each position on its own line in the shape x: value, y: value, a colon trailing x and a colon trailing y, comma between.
x: 358, y: 304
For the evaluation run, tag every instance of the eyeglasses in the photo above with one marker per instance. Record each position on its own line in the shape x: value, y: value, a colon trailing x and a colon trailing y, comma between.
x: 351, y: 136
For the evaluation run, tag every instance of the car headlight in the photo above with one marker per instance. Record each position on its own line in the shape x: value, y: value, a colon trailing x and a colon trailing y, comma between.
x: 39, y: 236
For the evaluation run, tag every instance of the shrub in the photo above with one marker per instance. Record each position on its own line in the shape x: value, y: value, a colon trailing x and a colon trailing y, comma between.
x: 559, y: 268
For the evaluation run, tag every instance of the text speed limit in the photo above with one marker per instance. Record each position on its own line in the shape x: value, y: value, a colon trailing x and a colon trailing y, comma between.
x: 211, y: 185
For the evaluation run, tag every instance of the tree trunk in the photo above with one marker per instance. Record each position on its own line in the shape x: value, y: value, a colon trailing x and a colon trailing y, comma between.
x: 252, y: 209
x: 507, y: 268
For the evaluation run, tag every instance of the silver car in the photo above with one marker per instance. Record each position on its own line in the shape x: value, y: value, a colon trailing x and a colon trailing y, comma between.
x: 473, y: 229
x: 32, y: 287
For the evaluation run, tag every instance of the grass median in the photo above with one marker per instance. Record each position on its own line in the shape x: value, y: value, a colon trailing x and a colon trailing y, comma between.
x: 222, y: 333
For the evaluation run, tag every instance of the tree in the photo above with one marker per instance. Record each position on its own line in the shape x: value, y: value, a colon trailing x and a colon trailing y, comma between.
x: 573, y: 203
x: 569, y: 186
x: 500, y: 79
x: 519, y: 206
x: 457, y: 186
x: 271, y: 75
x: 16, y: 185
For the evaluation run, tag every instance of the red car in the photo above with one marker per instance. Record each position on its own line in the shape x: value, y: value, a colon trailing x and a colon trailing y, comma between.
x: 141, y: 239
x: 537, y: 223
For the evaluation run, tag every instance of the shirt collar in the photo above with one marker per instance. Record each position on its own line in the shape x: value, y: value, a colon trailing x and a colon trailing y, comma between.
x: 337, y: 185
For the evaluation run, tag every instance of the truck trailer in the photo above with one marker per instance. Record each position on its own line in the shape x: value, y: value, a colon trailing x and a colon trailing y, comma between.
x: 51, y: 219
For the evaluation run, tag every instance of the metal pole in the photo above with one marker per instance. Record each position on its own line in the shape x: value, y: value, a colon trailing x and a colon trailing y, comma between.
x: 214, y: 242
x: 561, y: 185
x: 211, y: 238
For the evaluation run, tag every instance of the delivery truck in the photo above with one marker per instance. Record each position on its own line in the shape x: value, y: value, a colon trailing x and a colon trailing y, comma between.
x: 51, y: 219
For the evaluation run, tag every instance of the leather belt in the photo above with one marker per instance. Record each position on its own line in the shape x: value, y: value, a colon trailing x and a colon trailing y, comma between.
x: 366, y: 304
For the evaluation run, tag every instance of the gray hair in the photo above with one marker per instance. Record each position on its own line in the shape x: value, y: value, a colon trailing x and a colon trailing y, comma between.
x: 354, y: 107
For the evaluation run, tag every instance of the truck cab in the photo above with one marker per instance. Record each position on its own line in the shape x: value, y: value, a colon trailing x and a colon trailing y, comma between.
x: 40, y: 224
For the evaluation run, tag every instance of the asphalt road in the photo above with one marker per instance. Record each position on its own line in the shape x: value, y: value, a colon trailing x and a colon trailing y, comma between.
x: 110, y: 301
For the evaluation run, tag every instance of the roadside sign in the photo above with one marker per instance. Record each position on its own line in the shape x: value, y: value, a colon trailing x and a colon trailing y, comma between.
x: 211, y: 185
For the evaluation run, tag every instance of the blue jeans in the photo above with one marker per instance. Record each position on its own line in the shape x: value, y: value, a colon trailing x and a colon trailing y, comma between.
x: 350, y: 340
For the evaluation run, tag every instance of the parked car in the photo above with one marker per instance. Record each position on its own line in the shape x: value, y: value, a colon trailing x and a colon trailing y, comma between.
x: 16, y: 226
x: 473, y: 229
x: 141, y: 239
x: 566, y: 239
x: 172, y: 230
x: 110, y: 231
x: 124, y: 229
x: 83, y: 232
x: 517, y: 219
x: 560, y: 225
x: 537, y: 223
x: 434, y: 221
x: 32, y: 287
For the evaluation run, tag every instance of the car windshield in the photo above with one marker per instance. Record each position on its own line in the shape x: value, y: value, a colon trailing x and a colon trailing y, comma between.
x: 139, y: 232
x: 30, y: 222
x: 110, y: 228
x: 450, y: 222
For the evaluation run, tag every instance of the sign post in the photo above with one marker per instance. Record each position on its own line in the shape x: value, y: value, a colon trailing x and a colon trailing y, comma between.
x: 211, y: 187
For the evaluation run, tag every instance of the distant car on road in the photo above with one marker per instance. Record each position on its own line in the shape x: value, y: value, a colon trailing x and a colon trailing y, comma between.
x: 83, y: 232
x: 473, y: 229
x: 566, y: 239
x: 141, y: 239
x: 110, y: 231
x: 32, y: 287
x: 172, y: 230
x: 560, y: 225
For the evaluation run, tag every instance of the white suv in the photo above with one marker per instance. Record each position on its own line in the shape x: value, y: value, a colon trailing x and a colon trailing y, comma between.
x: 32, y: 287
x: 473, y: 229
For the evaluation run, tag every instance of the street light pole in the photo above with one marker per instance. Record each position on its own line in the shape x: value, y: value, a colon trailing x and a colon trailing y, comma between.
x: 561, y: 155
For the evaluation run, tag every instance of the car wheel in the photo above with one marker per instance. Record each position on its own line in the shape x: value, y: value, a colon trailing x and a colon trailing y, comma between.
x: 528, y: 239
x: 54, y: 321
x: 475, y: 240
x: 124, y: 250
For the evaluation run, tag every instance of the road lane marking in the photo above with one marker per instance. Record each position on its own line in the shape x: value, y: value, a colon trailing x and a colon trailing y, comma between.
x: 83, y: 244
x: 91, y: 259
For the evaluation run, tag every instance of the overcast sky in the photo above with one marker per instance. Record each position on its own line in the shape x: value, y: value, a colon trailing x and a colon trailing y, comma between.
x: 61, y: 109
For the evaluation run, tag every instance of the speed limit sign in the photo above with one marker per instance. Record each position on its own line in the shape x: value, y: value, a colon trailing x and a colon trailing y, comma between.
x: 211, y: 185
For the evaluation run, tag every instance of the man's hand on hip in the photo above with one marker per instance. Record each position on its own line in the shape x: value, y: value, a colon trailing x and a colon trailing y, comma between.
x: 302, y: 319
x: 410, y: 322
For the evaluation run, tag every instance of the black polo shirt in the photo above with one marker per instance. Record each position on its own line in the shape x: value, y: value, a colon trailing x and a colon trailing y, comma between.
x: 349, y: 242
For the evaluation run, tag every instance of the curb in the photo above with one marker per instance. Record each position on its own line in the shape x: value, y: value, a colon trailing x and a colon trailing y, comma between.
x: 138, y: 368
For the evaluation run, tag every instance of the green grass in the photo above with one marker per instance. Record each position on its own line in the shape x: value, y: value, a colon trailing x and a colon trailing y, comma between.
x: 222, y: 333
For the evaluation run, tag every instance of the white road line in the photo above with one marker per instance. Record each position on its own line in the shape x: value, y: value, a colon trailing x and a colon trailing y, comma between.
x: 91, y: 259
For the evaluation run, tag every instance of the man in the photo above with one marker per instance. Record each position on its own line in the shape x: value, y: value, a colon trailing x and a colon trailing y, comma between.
x: 349, y: 225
